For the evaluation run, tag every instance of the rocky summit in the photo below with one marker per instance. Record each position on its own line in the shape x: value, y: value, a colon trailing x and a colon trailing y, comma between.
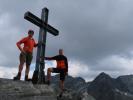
x: 103, y: 87
x: 19, y: 90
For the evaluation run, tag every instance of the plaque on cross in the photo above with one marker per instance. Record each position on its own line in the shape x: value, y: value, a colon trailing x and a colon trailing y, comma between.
x: 39, y: 75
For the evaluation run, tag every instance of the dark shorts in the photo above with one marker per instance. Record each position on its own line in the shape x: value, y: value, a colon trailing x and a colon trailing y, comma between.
x: 61, y: 71
x: 26, y: 57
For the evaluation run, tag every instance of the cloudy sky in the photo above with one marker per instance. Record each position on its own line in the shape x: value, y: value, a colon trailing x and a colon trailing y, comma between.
x: 96, y: 35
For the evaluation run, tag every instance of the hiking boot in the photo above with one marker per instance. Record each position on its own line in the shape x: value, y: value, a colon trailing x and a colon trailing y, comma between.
x: 60, y: 95
x: 48, y: 82
x: 27, y: 79
x: 17, y: 77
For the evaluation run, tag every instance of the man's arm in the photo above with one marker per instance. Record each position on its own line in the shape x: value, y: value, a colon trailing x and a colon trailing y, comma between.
x: 35, y: 44
x: 19, y: 44
x: 51, y: 58
x: 48, y: 58
x: 38, y: 44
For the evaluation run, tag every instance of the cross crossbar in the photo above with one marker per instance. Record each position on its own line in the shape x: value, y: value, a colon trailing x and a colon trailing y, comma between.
x: 37, y: 21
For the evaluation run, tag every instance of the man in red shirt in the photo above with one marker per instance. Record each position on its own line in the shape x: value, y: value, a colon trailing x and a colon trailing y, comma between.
x: 26, y: 54
x: 62, y: 68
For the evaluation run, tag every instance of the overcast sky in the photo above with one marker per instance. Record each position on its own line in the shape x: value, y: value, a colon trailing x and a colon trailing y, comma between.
x: 96, y: 35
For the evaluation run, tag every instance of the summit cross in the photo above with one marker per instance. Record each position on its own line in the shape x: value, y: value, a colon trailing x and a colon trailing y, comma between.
x: 39, y: 74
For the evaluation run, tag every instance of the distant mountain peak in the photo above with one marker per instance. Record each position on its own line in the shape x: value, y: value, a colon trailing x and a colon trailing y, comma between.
x: 103, y: 77
x: 103, y: 74
x: 104, y: 84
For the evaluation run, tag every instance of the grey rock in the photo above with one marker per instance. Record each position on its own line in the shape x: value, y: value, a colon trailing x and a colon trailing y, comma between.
x: 127, y: 80
x: 86, y: 96
x: 76, y: 88
x: 19, y: 90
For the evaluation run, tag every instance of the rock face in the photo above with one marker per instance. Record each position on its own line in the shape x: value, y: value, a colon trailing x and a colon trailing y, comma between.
x: 102, y: 88
x: 128, y: 81
x: 75, y: 88
x: 18, y: 90
x: 106, y: 88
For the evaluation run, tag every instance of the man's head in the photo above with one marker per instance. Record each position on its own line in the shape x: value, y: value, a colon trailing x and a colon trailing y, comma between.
x: 61, y: 52
x: 30, y: 33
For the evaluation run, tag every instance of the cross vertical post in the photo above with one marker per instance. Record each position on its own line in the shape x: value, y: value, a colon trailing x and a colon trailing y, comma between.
x: 44, y: 17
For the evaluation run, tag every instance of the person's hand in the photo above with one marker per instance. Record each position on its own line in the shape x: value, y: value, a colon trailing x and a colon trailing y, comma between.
x: 42, y: 58
x: 23, y: 51
x: 40, y: 43
x: 36, y: 45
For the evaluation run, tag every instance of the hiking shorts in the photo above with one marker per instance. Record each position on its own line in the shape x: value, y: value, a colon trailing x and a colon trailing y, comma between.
x: 26, y: 57
x: 61, y: 71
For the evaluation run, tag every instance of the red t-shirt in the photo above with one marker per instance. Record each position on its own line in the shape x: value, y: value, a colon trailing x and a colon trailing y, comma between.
x: 29, y: 44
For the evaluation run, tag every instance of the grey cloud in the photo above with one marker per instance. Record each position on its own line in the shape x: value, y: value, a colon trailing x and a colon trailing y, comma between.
x: 90, y: 30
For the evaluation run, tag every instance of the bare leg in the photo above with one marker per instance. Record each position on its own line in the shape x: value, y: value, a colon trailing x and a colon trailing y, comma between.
x: 61, y: 86
x: 27, y: 70
x: 49, y: 73
x: 21, y: 66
